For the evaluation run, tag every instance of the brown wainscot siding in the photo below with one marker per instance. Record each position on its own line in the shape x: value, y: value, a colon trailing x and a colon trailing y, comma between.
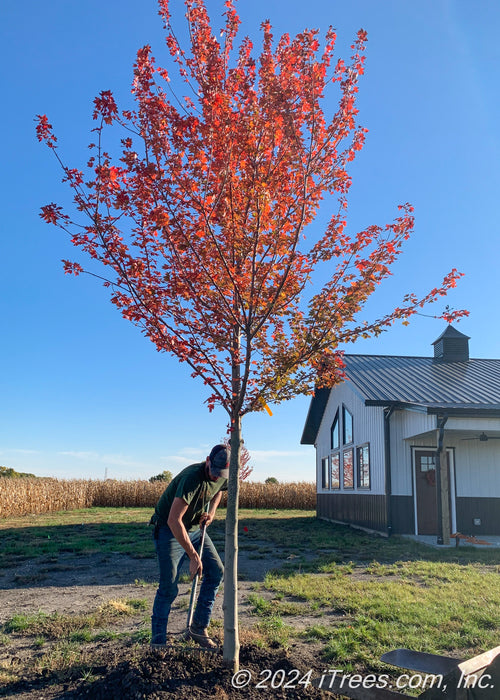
x: 486, y: 509
x: 361, y: 510
x: 403, y: 515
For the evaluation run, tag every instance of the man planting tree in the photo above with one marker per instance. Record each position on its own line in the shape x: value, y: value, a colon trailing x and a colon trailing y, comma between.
x: 179, y: 519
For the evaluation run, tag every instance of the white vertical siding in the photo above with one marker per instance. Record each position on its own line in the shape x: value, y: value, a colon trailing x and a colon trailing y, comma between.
x: 476, y: 424
x: 403, y: 425
x: 477, y: 466
x: 368, y: 425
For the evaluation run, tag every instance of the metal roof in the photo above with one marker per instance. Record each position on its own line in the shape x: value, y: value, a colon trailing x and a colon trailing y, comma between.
x: 425, y: 381
x: 469, y: 387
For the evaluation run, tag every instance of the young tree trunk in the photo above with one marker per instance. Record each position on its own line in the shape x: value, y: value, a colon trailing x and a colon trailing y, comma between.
x: 231, y: 654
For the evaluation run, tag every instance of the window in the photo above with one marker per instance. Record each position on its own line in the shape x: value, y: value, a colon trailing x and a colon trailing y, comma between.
x: 324, y: 473
x: 363, y: 466
x: 335, y: 475
x: 335, y: 433
x: 347, y: 434
x: 427, y: 463
x: 348, y: 463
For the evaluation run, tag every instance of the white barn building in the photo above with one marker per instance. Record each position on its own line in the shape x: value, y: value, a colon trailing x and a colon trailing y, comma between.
x: 411, y: 444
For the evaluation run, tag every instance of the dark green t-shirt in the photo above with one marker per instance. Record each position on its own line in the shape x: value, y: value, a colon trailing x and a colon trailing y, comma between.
x: 195, y: 488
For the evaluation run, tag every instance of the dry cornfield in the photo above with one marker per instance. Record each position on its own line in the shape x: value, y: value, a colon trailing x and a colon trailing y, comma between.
x: 295, y: 495
x: 26, y: 496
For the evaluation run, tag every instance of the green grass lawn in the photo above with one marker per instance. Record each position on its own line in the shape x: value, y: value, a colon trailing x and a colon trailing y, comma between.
x: 361, y: 594
x: 369, y: 594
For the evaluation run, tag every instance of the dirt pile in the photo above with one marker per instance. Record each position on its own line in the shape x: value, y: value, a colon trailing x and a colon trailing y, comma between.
x: 173, y: 673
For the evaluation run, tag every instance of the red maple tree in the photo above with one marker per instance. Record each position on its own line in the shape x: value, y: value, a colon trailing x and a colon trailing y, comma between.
x: 199, y: 225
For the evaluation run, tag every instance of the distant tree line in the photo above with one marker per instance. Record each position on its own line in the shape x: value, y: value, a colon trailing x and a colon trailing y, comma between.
x: 164, y: 476
x: 12, y: 474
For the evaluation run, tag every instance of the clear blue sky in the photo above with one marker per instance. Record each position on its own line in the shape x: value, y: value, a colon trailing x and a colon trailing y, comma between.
x: 81, y: 390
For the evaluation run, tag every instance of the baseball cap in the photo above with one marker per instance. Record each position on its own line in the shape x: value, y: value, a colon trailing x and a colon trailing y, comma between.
x: 219, y: 461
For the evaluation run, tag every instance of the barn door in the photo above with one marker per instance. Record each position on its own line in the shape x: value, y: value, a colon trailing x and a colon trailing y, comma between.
x: 425, y: 479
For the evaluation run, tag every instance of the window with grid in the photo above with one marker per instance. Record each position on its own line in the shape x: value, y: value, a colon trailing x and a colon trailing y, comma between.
x: 363, y: 466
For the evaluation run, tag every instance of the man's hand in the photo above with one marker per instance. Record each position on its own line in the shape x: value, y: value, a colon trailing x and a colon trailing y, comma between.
x: 206, y: 519
x: 195, y: 566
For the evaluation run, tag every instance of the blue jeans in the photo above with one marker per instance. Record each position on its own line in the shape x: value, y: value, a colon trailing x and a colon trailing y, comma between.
x: 170, y: 557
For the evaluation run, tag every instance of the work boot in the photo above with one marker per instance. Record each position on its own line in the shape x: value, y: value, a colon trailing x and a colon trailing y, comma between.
x: 200, y: 636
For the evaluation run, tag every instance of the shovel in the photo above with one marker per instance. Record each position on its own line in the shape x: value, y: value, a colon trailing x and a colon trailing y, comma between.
x: 194, y: 587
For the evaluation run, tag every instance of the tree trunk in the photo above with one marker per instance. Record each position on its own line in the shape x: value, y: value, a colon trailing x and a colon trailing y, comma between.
x: 231, y: 656
x: 231, y: 653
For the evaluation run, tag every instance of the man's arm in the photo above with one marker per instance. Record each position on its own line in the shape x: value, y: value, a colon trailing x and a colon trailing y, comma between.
x: 179, y: 507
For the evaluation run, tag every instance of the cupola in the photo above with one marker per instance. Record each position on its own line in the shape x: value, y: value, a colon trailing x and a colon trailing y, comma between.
x: 451, y: 346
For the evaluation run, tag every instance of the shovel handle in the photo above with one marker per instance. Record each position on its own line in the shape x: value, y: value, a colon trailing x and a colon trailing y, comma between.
x: 194, y: 587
